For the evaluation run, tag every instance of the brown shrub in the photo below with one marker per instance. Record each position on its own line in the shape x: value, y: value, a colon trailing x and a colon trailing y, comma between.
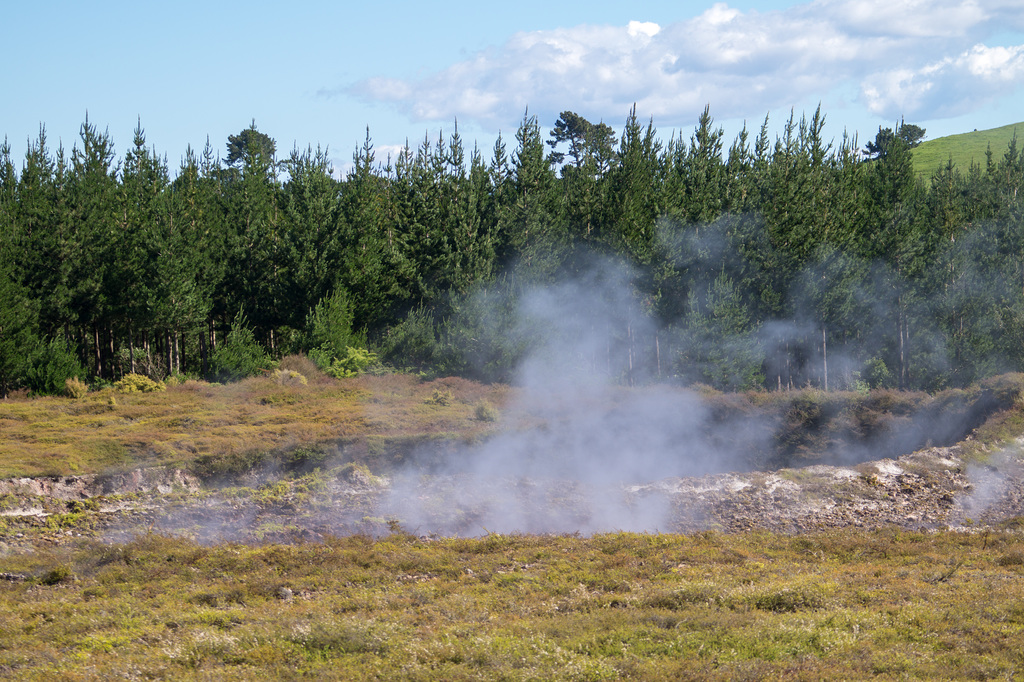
x: 306, y: 367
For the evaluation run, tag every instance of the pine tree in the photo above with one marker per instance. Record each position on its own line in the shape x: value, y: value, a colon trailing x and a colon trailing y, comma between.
x: 256, y: 277
x: 313, y: 208
x: 94, y: 240
x: 376, y: 267
x: 133, y: 280
x: 17, y: 312
x: 635, y: 198
x: 529, y: 231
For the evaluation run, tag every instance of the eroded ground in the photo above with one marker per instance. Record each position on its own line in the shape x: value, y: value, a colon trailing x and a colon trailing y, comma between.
x: 929, y: 489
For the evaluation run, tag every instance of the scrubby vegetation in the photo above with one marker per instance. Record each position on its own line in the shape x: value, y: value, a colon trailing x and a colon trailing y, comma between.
x: 214, y: 429
x: 840, y: 605
x: 826, y: 605
x: 224, y: 429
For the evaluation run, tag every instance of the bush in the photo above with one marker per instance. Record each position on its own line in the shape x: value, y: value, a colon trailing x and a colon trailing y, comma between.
x: 440, y: 398
x: 486, y: 412
x: 878, y: 375
x: 354, y: 362
x: 289, y: 377
x: 75, y: 388
x: 329, y: 329
x: 56, y: 576
x: 305, y: 366
x: 240, y: 355
x: 50, y: 366
x: 137, y: 383
x: 413, y: 342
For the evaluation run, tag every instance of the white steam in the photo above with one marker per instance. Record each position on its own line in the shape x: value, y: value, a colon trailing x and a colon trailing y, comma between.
x: 577, y: 440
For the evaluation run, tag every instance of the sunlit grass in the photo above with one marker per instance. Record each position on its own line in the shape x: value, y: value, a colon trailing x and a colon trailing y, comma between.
x: 965, y: 149
x: 224, y: 430
x: 837, y: 605
x: 253, y: 419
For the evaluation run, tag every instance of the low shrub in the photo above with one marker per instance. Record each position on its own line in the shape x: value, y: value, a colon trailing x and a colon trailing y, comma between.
x: 304, y: 365
x: 289, y: 377
x: 138, y: 383
x: 57, y: 575
x: 75, y: 387
x: 240, y: 356
x: 50, y: 366
x: 354, y: 361
x: 486, y: 412
x: 440, y: 398
x: 793, y: 598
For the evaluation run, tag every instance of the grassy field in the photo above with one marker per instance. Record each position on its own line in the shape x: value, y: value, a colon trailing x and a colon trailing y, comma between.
x: 839, y: 604
x: 965, y: 149
x: 842, y: 605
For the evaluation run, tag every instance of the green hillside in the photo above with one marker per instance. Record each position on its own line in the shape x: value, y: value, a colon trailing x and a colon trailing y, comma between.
x: 965, y: 148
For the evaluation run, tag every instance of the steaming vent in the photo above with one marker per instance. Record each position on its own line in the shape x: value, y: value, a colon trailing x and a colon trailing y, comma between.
x: 594, y: 443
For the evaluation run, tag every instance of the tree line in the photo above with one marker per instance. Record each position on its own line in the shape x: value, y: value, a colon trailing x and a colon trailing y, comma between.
x: 770, y: 263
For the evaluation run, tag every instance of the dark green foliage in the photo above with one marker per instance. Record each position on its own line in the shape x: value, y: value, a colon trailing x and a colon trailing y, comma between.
x: 911, y: 135
x: 249, y: 143
x: 485, y: 336
x: 412, y: 343
x: 761, y: 263
x: 720, y: 346
x: 589, y: 143
x: 329, y: 329
x: 239, y: 356
x: 51, y: 364
x: 18, y: 310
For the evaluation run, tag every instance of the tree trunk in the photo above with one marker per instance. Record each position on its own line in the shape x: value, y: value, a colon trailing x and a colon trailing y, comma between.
x: 657, y: 353
x: 131, y: 351
x: 202, y: 353
x: 98, y: 350
x: 824, y: 355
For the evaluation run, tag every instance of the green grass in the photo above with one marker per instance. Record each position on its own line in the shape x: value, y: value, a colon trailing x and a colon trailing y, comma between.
x: 965, y: 149
x: 839, y: 605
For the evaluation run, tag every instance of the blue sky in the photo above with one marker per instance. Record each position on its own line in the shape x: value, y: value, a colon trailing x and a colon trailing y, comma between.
x: 320, y: 72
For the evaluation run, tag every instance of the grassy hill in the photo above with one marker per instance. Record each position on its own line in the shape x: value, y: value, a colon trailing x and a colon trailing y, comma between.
x: 964, y: 149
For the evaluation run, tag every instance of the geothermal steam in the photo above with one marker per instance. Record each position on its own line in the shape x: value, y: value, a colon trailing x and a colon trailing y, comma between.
x: 579, y: 443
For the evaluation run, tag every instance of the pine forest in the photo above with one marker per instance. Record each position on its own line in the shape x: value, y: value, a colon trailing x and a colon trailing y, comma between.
x: 769, y: 262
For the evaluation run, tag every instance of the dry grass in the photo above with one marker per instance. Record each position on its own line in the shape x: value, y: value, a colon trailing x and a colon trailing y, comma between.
x: 223, y: 429
x: 251, y: 420
x: 890, y: 604
x: 840, y: 605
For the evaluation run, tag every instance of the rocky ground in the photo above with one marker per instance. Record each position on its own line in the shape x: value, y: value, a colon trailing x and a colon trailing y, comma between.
x: 929, y: 489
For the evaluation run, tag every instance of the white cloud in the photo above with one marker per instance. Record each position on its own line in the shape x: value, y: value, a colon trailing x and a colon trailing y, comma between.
x: 949, y: 87
x: 910, y: 18
x: 643, y: 28
x: 744, y: 64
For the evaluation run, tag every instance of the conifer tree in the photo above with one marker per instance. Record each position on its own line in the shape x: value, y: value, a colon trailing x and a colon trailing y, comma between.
x: 134, y: 281
x: 313, y: 208
x: 94, y: 240
x: 529, y: 231
x: 255, y: 246
x: 635, y: 198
